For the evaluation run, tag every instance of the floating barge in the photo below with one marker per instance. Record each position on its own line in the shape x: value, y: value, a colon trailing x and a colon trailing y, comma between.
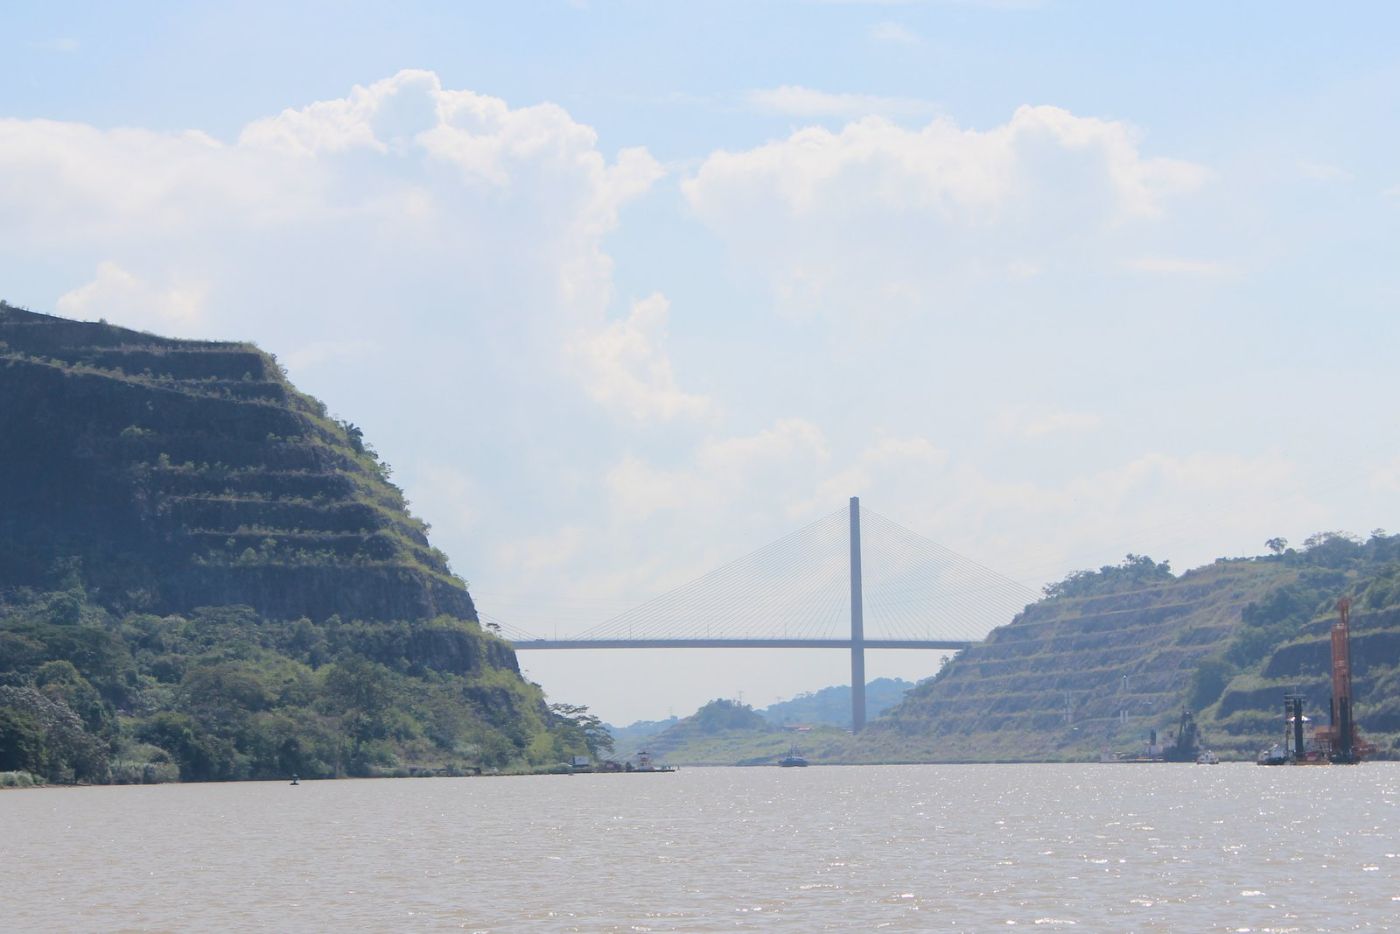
x: 1184, y: 746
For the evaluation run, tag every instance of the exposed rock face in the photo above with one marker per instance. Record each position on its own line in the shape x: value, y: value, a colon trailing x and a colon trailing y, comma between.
x: 191, y: 473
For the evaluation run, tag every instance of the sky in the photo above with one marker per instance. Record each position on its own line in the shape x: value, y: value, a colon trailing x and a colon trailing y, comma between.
x: 624, y: 291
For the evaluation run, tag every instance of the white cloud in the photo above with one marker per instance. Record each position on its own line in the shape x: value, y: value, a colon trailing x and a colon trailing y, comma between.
x: 969, y: 175
x: 876, y: 216
x: 797, y: 101
x: 487, y: 142
x: 886, y: 469
x: 722, y: 471
x: 117, y: 294
x: 897, y: 33
x: 402, y: 198
x: 75, y: 180
x: 67, y: 184
x: 628, y: 370
x: 545, y: 552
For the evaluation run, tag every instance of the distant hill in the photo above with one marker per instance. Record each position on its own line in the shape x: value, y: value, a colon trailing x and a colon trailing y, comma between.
x: 828, y: 707
x: 832, y: 705
x: 634, y: 735
x: 722, y: 732
x: 205, y: 576
x: 726, y: 732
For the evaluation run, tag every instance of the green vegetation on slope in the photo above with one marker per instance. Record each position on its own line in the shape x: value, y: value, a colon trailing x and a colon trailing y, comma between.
x: 726, y: 732
x: 192, y: 473
x: 222, y: 693
x: 1225, y: 641
x: 203, y: 576
x: 832, y: 705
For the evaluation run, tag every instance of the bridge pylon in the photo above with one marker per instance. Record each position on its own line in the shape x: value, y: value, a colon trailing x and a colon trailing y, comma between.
x: 789, y: 595
x: 857, y: 626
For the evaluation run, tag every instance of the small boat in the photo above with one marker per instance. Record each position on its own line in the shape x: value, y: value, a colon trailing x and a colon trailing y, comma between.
x: 1274, y: 755
x: 645, y: 764
x: 793, y: 760
x: 1207, y: 757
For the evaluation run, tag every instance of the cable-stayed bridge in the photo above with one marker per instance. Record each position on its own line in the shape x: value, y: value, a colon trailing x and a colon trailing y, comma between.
x: 851, y: 580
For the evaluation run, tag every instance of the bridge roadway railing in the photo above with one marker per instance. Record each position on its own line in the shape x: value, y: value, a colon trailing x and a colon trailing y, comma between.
x: 945, y: 644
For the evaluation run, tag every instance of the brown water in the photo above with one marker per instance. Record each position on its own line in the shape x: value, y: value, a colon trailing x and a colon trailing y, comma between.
x: 900, y: 848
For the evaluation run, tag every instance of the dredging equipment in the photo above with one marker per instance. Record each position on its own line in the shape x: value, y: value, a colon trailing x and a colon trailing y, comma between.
x: 1339, y: 742
x: 1339, y: 738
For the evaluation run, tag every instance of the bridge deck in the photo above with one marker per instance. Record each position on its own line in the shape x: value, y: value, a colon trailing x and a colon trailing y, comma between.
x: 945, y: 644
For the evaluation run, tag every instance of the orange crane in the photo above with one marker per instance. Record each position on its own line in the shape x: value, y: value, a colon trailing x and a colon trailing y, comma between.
x: 1340, y: 738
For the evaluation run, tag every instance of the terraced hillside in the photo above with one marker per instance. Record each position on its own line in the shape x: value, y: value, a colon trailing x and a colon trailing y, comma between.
x: 190, y: 473
x: 1111, y: 655
x: 204, y: 577
x: 1053, y: 683
x: 1250, y: 705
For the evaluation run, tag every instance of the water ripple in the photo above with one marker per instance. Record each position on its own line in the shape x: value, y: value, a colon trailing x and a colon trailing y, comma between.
x: 902, y: 848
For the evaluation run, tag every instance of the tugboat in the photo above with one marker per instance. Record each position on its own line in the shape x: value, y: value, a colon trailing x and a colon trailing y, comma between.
x: 793, y: 760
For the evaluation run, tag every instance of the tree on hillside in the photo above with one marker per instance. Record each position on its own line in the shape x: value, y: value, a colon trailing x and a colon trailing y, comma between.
x: 1332, y: 549
x: 727, y: 715
x: 22, y: 747
x: 581, y: 726
x: 1135, y: 571
x: 362, y: 692
x: 43, y: 735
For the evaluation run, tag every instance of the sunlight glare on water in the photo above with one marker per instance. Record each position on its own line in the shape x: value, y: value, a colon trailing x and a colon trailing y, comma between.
x: 898, y: 848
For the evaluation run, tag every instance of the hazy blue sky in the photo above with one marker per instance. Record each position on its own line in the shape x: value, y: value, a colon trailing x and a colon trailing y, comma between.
x: 626, y: 290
